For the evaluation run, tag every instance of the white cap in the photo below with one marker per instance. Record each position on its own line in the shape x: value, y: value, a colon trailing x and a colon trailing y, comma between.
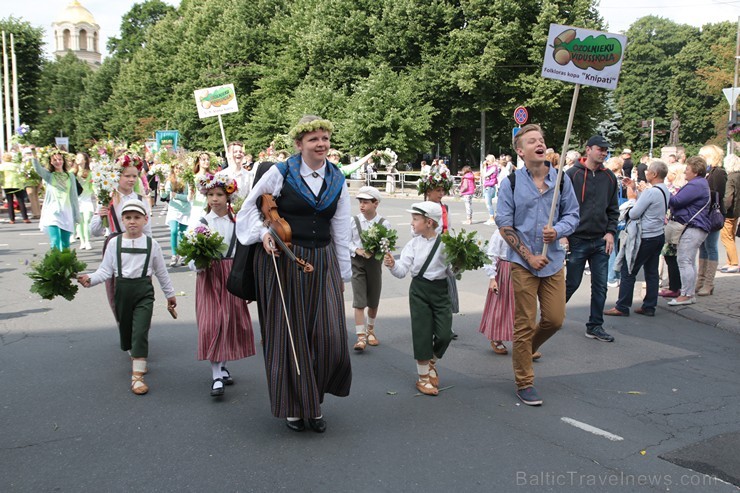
x: 134, y: 205
x: 429, y: 209
x: 368, y: 193
x: 627, y: 151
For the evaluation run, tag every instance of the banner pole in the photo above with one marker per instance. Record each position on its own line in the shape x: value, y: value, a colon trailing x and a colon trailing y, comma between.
x: 223, y: 136
x: 556, y: 195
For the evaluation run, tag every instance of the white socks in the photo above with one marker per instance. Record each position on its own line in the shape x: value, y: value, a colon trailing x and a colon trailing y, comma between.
x: 371, y: 322
x: 138, y: 365
x: 422, y: 369
x: 217, y: 373
x: 360, y: 329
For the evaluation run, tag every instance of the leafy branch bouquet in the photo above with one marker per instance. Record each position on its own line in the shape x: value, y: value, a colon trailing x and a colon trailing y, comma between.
x: 32, y: 178
x: 202, y: 245
x: 161, y: 171
x: 437, y: 177
x: 464, y: 251
x: 53, y: 275
x: 24, y: 135
x: 378, y: 240
x: 106, y: 150
x: 387, y: 158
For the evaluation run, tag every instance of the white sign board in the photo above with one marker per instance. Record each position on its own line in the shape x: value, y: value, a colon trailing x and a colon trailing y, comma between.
x: 214, y: 101
x: 731, y: 93
x: 62, y: 143
x: 582, y: 56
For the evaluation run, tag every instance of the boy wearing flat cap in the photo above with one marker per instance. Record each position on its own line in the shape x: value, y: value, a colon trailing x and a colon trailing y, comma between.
x: 367, y: 275
x: 132, y: 258
x: 429, y: 297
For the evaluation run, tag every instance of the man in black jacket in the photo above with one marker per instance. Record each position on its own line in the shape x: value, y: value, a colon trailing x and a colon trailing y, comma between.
x: 593, y: 241
x: 627, y: 166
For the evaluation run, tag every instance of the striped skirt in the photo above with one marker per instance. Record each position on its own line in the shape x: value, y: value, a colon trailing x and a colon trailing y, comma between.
x: 498, y: 315
x: 315, y: 305
x: 224, y: 325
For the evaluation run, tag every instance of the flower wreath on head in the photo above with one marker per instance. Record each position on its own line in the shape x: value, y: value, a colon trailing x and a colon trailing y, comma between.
x: 219, y: 180
x: 303, y: 128
x: 436, y: 178
x: 127, y: 159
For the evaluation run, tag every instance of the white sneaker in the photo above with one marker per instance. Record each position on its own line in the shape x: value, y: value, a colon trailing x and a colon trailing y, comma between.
x: 613, y: 284
x: 175, y: 261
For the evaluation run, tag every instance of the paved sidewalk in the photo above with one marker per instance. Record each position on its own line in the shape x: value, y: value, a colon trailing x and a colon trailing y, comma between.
x: 722, y: 309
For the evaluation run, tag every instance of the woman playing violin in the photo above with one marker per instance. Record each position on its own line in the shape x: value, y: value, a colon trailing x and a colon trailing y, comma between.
x: 306, y: 355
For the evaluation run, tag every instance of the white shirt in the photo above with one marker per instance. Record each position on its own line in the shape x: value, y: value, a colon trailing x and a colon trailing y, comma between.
x: 497, y: 249
x: 355, y: 241
x: 414, y: 255
x: 222, y: 225
x: 96, y: 224
x: 243, y: 184
x: 132, y: 264
x: 250, y: 228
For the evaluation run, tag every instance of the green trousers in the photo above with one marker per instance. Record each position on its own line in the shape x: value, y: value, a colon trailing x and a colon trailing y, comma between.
x: 431, y: 317
x: 134, y: 308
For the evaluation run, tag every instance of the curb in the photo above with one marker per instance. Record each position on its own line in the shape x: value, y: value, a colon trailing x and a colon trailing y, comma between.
x: 723, y: 323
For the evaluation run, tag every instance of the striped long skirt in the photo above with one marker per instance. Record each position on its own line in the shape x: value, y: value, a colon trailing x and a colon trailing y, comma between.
x: 224, y: 325
x: 498, y: 315
x: 315, y: 306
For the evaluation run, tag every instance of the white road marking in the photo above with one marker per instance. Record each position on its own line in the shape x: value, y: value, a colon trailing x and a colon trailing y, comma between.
x: 30, y: 234
x: 592, y: 429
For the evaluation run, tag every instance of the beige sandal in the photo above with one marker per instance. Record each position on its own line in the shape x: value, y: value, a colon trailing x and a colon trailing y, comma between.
x: 371, y: 339
x: 433, y: 374
x: 361, y: 342
x: 138, y: 386
x: 425, y: 386
x: 498, y: 347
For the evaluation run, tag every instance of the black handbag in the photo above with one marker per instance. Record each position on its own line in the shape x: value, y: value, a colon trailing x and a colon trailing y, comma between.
x: 716, y: 218
x: 241, y: 282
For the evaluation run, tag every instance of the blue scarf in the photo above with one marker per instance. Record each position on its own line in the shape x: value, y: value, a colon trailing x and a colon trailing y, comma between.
x: 333, y: 179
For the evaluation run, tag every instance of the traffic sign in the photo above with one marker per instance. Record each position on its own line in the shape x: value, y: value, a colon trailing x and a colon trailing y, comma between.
x: 515, y: 131
x: 521, y: 115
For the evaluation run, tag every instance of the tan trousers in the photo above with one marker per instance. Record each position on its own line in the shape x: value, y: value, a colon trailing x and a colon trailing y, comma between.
x: 528, y: 334
x: 727, y: 236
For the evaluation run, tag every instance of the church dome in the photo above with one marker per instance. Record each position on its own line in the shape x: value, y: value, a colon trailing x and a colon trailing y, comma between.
x: 75, y: 13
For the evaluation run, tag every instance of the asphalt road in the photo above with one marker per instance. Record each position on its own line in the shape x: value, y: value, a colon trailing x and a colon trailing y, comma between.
x: 69, y: 423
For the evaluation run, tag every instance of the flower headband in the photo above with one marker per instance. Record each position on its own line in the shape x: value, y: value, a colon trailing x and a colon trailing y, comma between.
x: 303, y: 128
x: 126, y: 160
x: 219, y: 180
x: 434, y: 179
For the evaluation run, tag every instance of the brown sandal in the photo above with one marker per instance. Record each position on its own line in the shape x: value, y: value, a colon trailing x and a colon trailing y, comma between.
x: 433, y: 374
x: 499, y: 348
x: 137, y: 377
x: 425, y: 386
x: 361, y: 342
x: 371, y: 339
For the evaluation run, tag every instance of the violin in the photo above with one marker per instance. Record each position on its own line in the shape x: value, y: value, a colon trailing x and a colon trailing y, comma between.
x: 280, y: 231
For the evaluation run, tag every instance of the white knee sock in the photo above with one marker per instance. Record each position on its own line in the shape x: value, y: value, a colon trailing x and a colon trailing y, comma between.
x: 138, y: 365
x: 216, y: 370
x: 422, y: 369
x: 360, y: 329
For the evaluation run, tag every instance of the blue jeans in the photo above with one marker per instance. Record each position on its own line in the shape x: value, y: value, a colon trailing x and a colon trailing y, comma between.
x: 489, y: 193
x: 648, y: 258
x: 593, y: 252
x: 614, y: 275
x: 708, y: 249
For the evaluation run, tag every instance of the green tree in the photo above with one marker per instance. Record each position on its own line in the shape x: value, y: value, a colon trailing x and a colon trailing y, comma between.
x: 94, y: 111
x: 134, y: 26
x: 29, y: 60
x: 648, y: 67
x: 61, y: 86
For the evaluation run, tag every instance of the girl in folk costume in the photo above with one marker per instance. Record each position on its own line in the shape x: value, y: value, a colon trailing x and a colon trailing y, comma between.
x: 61, y: 209
x: 309, y: 357
x: 86, y: 199
x: 497, y: 323
x: 178, y: 212
x: 434, y: 186
x: 128, y: 167
x: 198, y: 201
x: 224, y: 325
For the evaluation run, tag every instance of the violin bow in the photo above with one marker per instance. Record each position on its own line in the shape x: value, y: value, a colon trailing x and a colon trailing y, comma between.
x: 285, y: 309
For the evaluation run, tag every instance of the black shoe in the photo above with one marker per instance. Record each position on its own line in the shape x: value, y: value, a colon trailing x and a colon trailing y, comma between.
x: 317, y: 424
x: 217, y: 392
x: 454, y: 336
x: 227, y: 379
x: 647, y: 313
x: 599, y: 334
x: 299, y: 425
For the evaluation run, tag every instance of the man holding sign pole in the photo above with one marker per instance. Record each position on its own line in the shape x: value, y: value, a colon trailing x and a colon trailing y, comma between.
x: 525, y: 199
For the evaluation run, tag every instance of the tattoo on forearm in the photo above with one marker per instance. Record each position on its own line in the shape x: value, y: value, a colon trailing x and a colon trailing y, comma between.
x: 512, y: 238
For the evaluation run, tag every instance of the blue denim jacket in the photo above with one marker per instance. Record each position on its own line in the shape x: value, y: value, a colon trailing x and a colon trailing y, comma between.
x: 527, y: 210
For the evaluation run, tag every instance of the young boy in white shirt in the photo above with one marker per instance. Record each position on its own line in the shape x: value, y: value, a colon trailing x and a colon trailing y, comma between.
x: 367, y: 275
x: 429, y: 297
x: 132, y: 258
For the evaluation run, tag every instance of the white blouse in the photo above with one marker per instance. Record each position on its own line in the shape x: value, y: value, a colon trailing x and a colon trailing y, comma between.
x: 250, y: 228
x: 497, y: 249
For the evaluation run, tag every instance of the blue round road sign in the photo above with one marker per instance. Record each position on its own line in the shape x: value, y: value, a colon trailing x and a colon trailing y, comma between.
x: 521, y: 115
